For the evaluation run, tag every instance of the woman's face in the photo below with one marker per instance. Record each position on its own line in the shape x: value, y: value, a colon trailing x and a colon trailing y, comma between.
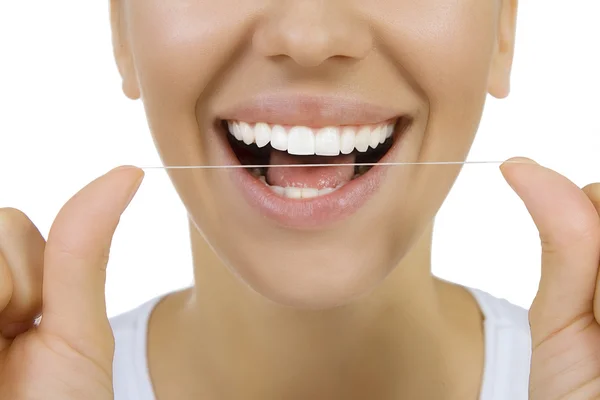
x: 296, y: 82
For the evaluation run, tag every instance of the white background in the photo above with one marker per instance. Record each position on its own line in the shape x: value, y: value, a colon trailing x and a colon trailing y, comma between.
x: 64, y: 121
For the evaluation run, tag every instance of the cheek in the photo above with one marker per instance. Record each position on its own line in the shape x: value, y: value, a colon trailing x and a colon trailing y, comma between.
x: 445, y: 48
x: 180, y: 46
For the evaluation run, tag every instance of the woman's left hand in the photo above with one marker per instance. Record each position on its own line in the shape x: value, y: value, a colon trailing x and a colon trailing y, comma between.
x: 565, y: 315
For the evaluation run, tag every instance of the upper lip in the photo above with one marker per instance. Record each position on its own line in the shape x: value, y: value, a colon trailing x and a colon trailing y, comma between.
x: 311, y: 111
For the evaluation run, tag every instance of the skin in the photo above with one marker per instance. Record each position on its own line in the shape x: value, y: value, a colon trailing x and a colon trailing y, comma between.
x: 376, y: 60
x: 361, y: 324
x: 337, y: 277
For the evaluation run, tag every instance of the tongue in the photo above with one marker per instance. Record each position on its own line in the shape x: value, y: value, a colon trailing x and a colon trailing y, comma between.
x: 309, y: 177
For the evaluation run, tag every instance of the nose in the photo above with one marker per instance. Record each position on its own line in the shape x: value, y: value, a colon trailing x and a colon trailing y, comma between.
x: 311, y: 32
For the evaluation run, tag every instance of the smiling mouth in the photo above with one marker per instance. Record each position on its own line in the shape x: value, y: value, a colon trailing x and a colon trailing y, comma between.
x: 302, y: 147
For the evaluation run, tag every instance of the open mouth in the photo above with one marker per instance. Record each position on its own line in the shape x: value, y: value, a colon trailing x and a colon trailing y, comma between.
x: 291, y: 150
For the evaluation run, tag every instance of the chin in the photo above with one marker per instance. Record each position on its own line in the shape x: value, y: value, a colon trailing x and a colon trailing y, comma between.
x: 314, y: 273
x: 315, y: 288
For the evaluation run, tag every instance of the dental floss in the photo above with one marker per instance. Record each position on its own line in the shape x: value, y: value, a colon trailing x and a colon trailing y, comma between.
x: 328, y: 165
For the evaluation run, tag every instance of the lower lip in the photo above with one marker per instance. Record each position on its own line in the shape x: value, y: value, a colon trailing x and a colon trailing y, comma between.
x: 315, y: 212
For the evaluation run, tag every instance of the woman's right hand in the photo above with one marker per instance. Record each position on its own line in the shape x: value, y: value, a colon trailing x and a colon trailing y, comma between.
x: 69, y: 354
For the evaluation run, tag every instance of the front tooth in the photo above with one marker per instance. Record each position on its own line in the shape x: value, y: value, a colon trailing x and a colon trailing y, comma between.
x: 389, y: 131
x: 301, y: 141
x: 262, y: 134
x: 308, y: 193
x: 262, y: 179
x: 279, y: 138
x: 247, y: 133
x: 327, y: 142
x: 363, y: 138
x: 237, y: 131
x: 293, y: 192
x: 375, y: 137
x: 347, y: 140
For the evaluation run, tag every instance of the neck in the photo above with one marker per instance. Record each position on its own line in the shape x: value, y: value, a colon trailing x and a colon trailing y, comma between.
x: 392, y: 343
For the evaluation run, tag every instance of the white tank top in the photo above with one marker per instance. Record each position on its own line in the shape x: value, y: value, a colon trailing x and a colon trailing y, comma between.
x: 506, y: 368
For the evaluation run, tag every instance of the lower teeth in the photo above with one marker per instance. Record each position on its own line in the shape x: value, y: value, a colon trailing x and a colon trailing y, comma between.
x: 303, y: 193
x: 359, y: 170
x: 294, y: 192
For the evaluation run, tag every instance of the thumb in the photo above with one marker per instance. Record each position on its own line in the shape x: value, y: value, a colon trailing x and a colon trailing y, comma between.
x: 569, y: 229
x: 74, y: 305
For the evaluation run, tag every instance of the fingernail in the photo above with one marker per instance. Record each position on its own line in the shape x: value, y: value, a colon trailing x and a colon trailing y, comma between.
x: 521, y: 160
x: 134, y: 188
x: 136, y: 185
x: 516, y: 160
x: 123, y: 167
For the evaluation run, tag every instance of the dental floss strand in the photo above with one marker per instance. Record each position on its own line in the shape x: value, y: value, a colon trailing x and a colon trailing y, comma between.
x: 389, y: 164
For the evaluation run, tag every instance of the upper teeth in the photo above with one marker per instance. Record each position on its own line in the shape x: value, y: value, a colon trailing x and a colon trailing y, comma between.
x: 301, y: 140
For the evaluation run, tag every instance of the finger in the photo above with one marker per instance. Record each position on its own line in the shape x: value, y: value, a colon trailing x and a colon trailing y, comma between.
x: 5, y: 292
x: 22, y: 248
x: 592, y: 191
x: 6, y: 285
x: 569, y: 229
x: 74, y: 306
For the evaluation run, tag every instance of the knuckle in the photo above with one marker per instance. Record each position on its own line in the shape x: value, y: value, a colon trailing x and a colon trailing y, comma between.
x: 68, y: 253
x: 580, y: 232
x: 13, y: 221
x: 592, y: 191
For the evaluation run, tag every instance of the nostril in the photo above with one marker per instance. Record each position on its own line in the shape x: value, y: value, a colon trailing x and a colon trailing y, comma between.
x: 312, y: 38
